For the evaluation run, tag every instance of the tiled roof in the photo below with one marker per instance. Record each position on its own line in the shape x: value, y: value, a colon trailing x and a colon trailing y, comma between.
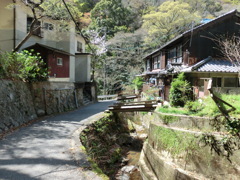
x: 212, y: 65
x: 152, y: 72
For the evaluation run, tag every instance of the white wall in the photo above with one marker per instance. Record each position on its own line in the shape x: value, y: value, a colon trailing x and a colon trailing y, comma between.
x: 66, y: 40
x: 6, y: 26
x: 83, y: 68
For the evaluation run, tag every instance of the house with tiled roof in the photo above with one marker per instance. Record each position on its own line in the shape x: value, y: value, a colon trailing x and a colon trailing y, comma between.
x: 195, y: 53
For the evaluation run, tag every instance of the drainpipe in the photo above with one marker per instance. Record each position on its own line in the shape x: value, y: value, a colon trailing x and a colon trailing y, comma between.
x: 14, y: 25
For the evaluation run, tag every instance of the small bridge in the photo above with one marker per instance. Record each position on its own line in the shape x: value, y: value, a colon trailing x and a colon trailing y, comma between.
x: 123, y: 106
x: 107, y: 97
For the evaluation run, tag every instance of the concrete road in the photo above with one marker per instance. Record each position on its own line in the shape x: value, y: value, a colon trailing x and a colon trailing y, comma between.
x: 43, y: 149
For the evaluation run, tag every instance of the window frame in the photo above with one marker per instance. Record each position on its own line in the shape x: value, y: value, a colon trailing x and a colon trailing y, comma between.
x: 38, y: 31
x: 59, y: 61
x: 48, y: 26
x: 79, y: 46
x: 175, y: 54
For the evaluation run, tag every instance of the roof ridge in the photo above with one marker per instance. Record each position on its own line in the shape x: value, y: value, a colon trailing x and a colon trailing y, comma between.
x: 200, y: 63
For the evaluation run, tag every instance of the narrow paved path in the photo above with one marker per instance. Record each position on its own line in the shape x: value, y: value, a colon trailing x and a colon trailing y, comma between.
x: 42, y: 150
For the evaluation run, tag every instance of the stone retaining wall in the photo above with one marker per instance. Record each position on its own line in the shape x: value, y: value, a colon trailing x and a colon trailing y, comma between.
x: 174, y: 149
x: 16, y: 104
x: 21, y: 102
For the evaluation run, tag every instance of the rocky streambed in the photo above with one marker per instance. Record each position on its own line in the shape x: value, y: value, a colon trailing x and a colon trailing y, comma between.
x: 114, y: 146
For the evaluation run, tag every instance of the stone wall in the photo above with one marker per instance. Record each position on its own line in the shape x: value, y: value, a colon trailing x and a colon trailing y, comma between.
x: 174, y: 149
x: 16, y: 104
x: 51, y: 98
x: 21, y: 102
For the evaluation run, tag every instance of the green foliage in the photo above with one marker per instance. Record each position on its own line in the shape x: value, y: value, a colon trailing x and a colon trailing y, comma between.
x: 234, y: 100
x: 180, y: 91
x: 56, y: 9
x: 231, y: 1
x: 173, y: 141
x: 194, y: 106
x: 86, y: 5
x: 210, y: 108
x: 122, y: 62
x: 171, y: 19
x: 138, y: 82
x: 204, y: 107
x: 205, y: 7
x: 168, y: 118
x: 111, y: 15
x: 26, y: 66
x: 101, y: 142
x: 172, y: 110
x: 151, y: 94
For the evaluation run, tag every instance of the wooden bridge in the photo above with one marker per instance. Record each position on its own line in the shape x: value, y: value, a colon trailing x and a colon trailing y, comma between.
x: 134, y: 106
x: 123, y: 106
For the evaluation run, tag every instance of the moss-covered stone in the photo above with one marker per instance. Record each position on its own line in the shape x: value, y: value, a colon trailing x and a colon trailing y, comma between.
x: 175, y: 142
x: 168, y: 118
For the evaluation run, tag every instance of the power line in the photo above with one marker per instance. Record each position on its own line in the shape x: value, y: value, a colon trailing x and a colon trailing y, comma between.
x: 77, y: 26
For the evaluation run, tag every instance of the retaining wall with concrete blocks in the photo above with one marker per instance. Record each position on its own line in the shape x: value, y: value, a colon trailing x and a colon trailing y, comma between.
x: 174, y: 150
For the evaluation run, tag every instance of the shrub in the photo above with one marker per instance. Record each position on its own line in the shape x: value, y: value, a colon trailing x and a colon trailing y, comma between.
x: 26, y: 66
x: 138, y: 83
x: 180, y: 91
x: 194, y: 106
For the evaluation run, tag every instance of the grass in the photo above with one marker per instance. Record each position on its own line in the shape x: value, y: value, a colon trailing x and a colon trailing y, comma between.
x: 173, y: 141
x: 172, y: 110
x: 205, y: 107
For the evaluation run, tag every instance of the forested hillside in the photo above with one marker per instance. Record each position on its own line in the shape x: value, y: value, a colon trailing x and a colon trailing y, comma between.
x: 122, y: 32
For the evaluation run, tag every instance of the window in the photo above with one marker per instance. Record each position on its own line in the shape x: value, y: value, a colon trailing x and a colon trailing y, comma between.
x: 175, y: 54
x: 48, y: 26
x: 79, y: 46
x: 36, y: 27
x: 216, y: 82
x: 157, y: 62
x: 179, y: 54
x: 231, y: 82
x: 148, y: 65
x: 59, y: 61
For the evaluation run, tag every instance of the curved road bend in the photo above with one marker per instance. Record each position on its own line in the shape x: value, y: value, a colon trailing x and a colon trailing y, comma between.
x: 42, y: 150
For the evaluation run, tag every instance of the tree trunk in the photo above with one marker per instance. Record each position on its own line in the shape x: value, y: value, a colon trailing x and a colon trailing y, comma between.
x: 29, y: 34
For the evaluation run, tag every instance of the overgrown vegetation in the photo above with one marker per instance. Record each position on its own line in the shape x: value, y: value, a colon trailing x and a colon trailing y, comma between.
x: 180, y: 91
x: 26, y: 66
x: 203, y: 107
x: 228, y: 130
x: 173, y: 141
x: 106, y: 142
x: 133, y: 28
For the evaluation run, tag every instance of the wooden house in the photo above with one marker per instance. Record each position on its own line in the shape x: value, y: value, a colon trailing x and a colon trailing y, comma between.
x: 195, y: 53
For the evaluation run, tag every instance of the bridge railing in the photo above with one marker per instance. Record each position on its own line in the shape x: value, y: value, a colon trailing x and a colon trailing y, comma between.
x: 107, y: 97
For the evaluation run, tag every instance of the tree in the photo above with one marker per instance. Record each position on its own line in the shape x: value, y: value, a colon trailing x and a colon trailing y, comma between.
x: 122, y: 62
x: 180, y: 91
x: 112, y: 16
x: 205, y: 7
x: 171, y: 19
x: 53, y: 9
x: 86, y: 5
x: 229, y: 46
x: 99, y: 49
